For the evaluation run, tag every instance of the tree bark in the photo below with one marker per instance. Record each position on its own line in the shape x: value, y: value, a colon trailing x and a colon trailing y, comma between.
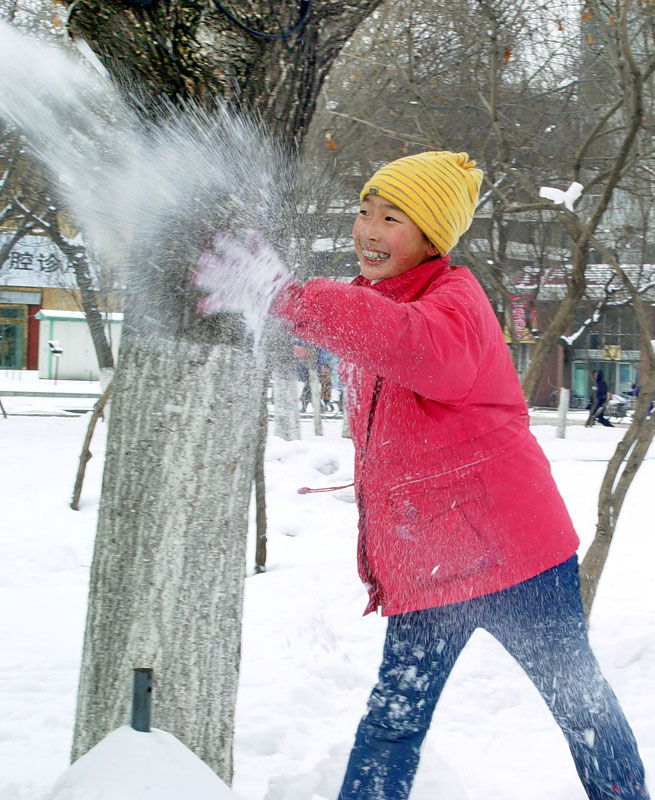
x: 167, y: 573
x: 189, y: 49
x: 287, y: 416
x: 260, y: 488
x: 315, y: 388
x: 562, y: 410
x: 565, y: 391
x: 345, y: 427
x: 285, y: 386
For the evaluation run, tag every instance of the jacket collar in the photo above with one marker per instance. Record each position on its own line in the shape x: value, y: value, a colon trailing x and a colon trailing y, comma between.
x: 408, y: 285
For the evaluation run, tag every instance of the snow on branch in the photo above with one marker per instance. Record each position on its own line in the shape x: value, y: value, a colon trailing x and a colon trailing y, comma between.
x: 570, y: 340
x: 486, y: 196
x: 567, y: 198
x: 595, y: 316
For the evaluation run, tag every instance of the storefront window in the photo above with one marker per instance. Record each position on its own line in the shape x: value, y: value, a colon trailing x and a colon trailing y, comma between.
x: 625, y: 378
x: 13, y: 336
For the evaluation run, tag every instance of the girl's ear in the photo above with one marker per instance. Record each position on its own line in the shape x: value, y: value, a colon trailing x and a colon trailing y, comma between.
x: 431, y: 249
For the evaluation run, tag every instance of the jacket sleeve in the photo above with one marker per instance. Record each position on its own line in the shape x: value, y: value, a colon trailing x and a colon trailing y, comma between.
x: 432, y: 346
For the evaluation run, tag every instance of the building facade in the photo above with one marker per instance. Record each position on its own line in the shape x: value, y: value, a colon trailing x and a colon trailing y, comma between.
x: 38, y: 290
x: 601, y: 335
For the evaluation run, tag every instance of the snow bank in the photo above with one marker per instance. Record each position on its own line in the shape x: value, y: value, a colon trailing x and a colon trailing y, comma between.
x: 127, y: 765
x: 309, y: 658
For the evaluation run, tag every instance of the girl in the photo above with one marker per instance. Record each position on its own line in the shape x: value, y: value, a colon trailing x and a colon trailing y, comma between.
x: 460, y: 522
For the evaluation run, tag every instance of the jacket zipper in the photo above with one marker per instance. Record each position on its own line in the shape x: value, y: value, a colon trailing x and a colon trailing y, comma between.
x: 371, y: 414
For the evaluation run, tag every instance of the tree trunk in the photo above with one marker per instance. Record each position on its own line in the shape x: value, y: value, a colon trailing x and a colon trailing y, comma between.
x: 287, y: 416
x: 85, y: 455
x: 260, y: 488
x: 190, y: 49
x: 315, y: 388
x: 285, y: 386
x: 345, y: 426
x: 24, y: 229
x: 564, y: 392
x: 79, y: 260
x: 621, y: 471
x: 631, y: 451
x: 167, y: 574
x: 558, y: 324
x: 562, y: 411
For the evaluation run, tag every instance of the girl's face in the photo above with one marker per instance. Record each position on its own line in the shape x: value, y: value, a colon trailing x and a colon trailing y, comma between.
x: 387, y: 242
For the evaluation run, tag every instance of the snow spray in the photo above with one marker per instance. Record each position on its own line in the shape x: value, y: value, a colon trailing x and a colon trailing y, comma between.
x: 150, y: 193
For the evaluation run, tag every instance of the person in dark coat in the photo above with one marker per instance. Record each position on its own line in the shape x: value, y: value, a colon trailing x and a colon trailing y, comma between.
x: 598, y: 401
x: 634, y: 392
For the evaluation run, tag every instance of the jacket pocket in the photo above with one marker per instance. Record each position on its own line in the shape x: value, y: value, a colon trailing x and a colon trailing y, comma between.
x: 437, y: 530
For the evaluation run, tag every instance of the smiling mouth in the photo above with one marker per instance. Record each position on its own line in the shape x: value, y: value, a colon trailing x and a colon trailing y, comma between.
x: 372, y: 255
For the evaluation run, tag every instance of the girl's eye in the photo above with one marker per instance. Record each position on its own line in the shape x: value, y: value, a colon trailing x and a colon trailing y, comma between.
x: 391, y: 219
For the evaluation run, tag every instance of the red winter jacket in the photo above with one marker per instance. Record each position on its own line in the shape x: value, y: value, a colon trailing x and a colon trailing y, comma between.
x: 455, y: 496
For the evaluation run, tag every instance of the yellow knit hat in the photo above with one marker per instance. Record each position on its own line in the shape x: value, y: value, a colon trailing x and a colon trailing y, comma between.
x: 438, y: 191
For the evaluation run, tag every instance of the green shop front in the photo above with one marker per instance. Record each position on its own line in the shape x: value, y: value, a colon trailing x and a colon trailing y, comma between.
x: 19, y: 329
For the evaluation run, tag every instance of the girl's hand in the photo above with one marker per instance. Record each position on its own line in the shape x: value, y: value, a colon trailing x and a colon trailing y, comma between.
x: 239, y: 276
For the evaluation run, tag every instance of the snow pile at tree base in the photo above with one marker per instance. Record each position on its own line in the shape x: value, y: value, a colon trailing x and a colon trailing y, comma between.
x: 128, y: 765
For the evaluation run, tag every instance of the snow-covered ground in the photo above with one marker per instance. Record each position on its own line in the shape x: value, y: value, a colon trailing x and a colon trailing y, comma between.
x: 309, y: 658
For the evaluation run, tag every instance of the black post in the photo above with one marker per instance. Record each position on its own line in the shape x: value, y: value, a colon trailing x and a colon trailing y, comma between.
x: 141, y: 700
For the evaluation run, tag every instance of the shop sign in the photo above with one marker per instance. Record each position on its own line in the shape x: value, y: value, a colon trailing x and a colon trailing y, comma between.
x: 611, y: 352
x: 524, y: 316
x: 36, y: 262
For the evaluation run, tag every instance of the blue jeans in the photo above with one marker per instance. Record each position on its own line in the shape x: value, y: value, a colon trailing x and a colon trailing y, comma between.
x: 540, y: 623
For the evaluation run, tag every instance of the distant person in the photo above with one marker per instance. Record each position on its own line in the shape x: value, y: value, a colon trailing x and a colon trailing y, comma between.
x: 635, y: 391
x: 598, y: 401
x: 302, y: 373
x: 325, y: 379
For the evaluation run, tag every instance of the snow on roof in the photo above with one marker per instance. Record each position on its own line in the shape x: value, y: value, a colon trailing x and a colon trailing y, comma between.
x: 331, y: 244
x: 75, y: 315
x: 552, y: 282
